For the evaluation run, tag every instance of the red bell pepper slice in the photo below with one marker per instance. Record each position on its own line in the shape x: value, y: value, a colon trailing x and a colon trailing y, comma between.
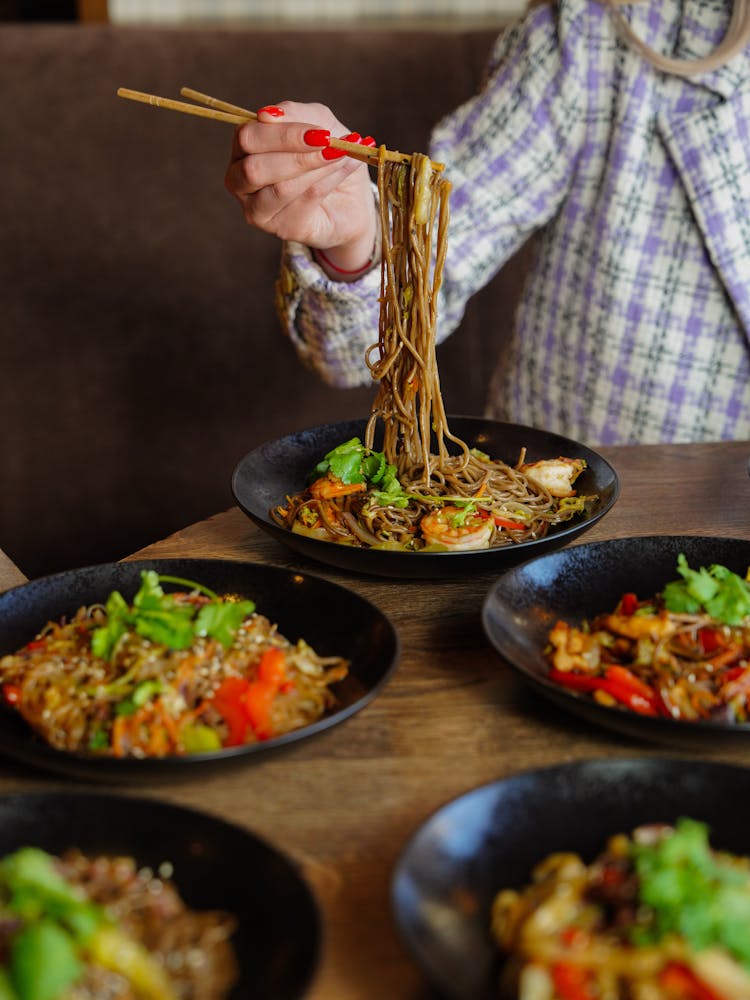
x: 572, y: 981
x: 714, y: 641
x: 272, y: 667
x: 245, y: 704
x: 11, y: 693
x: 630, y: 680
x: 732, y: 673
x: 628, y: 696
x: 628, y: 604
x: 628, y: 690
x: 577, y: 682
x: 502, y: 522
x: 681, y: 982
x: 228, y: 700
x: 258, y: 702
x: 262, y: 691
x: 710, y: 639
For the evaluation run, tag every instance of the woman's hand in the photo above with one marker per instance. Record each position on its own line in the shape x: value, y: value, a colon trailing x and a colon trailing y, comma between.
x: 291, y: 184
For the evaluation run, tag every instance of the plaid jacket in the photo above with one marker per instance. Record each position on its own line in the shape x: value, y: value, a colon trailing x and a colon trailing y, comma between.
x: 635, y: 320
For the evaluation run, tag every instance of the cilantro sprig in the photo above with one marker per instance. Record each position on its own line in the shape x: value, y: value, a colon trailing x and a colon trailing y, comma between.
x: 160, y: 617
x: 693, y: 892
x: 352, y: 462
x: 715, y: 590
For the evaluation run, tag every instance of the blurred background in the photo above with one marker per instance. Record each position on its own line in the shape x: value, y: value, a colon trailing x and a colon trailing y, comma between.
x: 244, y: 12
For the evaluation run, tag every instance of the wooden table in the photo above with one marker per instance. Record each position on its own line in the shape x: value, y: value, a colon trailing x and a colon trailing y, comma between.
x: 453, y: 717
x: 10, y: 574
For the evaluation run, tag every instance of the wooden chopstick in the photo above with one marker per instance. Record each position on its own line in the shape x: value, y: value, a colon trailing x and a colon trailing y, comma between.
x: 223, y: 111
x: 214, y: 102
x: 188, y: 109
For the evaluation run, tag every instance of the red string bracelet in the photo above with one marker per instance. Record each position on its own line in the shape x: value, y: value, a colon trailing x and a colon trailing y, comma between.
x: 340, y: 270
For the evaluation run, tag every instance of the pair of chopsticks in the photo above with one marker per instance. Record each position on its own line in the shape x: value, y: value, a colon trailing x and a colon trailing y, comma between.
x: 223, y: 111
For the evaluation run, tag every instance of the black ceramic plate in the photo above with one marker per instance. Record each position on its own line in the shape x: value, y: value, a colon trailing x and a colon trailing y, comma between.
x: 216, y: 866
x: 265, y: 476
x: 577, y: 583
x: 492, y: 837
x: 332, y: 619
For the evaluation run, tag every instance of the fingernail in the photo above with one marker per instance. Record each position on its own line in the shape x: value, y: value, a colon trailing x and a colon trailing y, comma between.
x: 271, y: 109
x: 332, y: 154
x: 317, y: 136
x: 352, y: 137
x: 368, y: 141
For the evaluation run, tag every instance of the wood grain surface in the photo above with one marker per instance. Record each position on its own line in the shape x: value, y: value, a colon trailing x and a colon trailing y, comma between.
x: 453, y: 716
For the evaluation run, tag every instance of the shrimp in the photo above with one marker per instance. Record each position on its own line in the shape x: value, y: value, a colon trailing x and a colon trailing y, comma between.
x: 556, y: 475
x: 456, y: 529
x: 329, y: 486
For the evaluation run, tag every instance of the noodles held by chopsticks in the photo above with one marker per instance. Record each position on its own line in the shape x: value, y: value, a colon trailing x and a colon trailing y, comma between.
x: 448, y: 498
x: 413, y: 207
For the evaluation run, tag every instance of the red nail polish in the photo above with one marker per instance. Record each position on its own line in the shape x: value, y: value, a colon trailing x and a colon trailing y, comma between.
x: 368, y: 141
x: 317, y: 136
x: 271, y: 109
x: 332, y: 154
x: 352, y: 137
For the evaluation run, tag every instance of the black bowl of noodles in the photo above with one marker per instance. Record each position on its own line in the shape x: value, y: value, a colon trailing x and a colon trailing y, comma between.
x: 491, y: 838
x: 264, y: 909
x: 334, y: 621
x: 266, y: 476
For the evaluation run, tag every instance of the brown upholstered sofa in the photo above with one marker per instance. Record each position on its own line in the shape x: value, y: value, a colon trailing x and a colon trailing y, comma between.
x: 140, y: 356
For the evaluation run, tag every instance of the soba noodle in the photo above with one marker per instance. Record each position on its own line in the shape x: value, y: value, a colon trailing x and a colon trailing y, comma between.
x: 413, y: 207
x: 451, y: 497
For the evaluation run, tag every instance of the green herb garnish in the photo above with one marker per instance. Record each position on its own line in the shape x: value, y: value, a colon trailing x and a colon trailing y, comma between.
x: 716, y: 590
x: 691, y: 891
x: 458, y: 520
x: 158, y: 616
x: 352, y: 462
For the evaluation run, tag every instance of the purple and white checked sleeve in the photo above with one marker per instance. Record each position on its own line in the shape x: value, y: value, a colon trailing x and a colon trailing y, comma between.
x: 632, y: 327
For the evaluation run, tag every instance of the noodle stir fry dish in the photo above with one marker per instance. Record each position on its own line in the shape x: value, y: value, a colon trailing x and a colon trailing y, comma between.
x: 183, y: 672
x: 658, y: 915
x: 356, y: 497
x: 683, y: 654
x: 79, y: 928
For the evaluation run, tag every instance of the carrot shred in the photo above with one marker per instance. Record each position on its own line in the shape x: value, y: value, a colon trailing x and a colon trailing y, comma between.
x: 119, y: 731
